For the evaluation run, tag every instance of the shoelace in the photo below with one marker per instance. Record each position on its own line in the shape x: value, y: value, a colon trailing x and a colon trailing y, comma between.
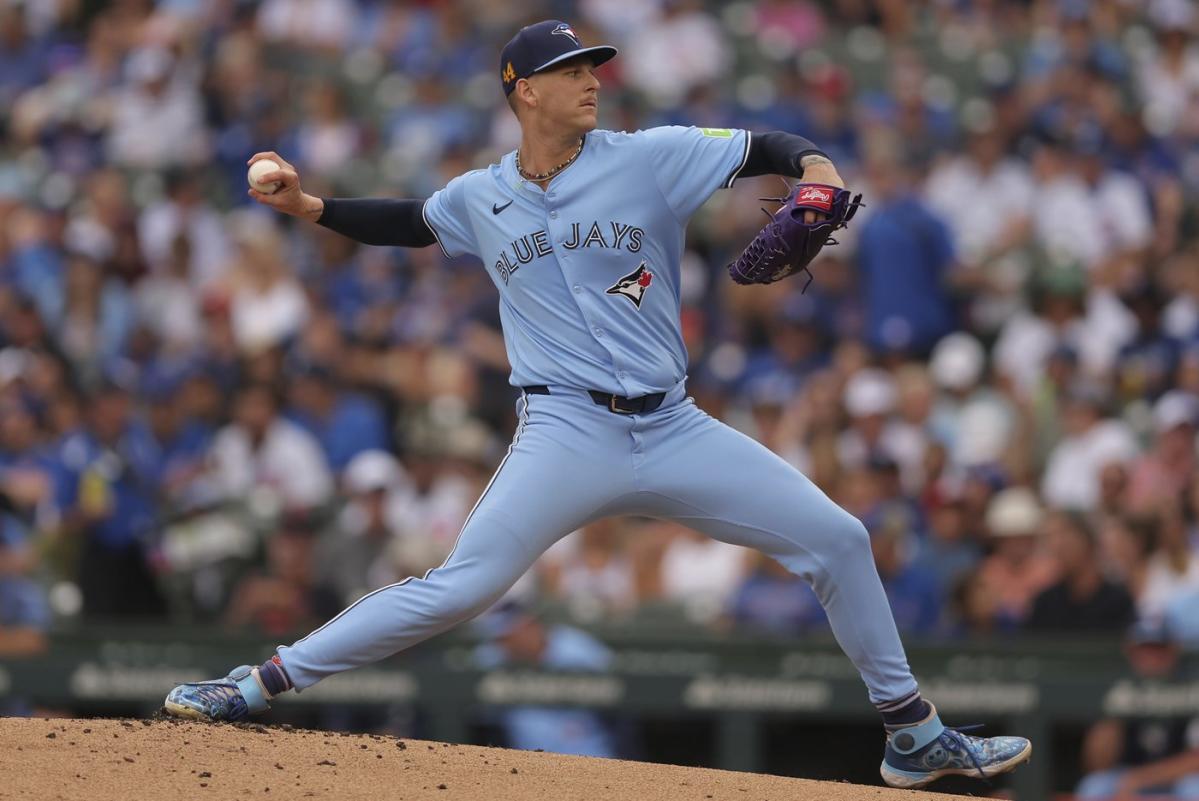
x: 957, y: 735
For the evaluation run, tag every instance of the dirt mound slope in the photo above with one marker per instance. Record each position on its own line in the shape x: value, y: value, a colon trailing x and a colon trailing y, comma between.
x: 167, y: 759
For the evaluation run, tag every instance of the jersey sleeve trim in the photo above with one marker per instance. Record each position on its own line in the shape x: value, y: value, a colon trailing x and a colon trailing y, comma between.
x: 744, y: 158
x: 436, y: 236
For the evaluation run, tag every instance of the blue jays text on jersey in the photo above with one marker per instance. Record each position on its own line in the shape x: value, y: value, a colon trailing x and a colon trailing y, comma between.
x: 536, y: 245
x: 558, y: 256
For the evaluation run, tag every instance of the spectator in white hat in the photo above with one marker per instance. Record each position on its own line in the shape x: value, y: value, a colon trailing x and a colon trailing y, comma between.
x: 870, y: 400
x: 368, y: 547
x: 975, y: 422
x: 1019, y: 567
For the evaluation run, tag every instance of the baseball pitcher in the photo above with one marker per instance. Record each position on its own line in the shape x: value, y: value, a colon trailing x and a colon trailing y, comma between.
x: 581, y: 230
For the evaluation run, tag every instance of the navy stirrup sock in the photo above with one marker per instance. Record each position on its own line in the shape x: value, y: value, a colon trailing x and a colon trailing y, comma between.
x: 907, y: 711
x: 274, y: 677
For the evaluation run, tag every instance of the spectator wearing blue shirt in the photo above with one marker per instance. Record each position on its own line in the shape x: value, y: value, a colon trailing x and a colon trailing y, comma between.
x: 24, y: 612
x: 773, y: 599
x: 428, y: 127
x: 182, y: 440
x: 518, y: 638
x: 828, y: 101
x: 442, y: 41
x: 109, y: 493
x: 22, y: 57
x: 1146, y: 366
x: 905, y: 255
x: 911, y: 588
x: 792, y: 352
x: 26, y: 464
x: 1182, y: 615
x: 353, y: 281
x: 834, y: 301
x: 36, y: 269
x: 948, y: 552
x: 345, y: 423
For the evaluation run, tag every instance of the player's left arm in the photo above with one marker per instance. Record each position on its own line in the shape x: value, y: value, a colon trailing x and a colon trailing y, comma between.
x: 782, y: 153
x: 690, y: 163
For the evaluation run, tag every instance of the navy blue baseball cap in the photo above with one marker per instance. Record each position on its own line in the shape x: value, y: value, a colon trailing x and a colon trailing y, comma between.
x: 541, y: 46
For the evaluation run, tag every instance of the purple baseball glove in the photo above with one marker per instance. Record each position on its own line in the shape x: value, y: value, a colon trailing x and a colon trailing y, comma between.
x: 787, y: 244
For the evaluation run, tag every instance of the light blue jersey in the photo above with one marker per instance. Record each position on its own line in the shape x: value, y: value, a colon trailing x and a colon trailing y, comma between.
x: 588, y: 270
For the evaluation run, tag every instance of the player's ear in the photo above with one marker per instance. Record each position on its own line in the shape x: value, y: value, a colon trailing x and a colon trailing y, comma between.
x: 526, y: 93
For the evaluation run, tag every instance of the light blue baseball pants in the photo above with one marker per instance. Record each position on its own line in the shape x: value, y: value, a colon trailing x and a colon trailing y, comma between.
x: 572, y: 462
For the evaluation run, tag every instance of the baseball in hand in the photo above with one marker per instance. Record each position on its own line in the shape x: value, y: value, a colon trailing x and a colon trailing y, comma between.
x: 259, y: 169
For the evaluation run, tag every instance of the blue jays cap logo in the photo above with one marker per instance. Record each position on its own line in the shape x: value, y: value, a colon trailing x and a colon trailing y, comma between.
x: 565, y: 30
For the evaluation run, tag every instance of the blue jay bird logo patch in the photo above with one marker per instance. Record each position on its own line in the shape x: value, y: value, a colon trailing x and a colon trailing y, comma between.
x: 567, y: 31
x: 633, y: 285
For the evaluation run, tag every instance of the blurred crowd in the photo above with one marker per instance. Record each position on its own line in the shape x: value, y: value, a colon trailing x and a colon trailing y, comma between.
x: 210, y: 413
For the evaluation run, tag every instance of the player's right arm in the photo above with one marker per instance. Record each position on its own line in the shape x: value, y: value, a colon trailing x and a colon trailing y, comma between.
x: 400, y: 222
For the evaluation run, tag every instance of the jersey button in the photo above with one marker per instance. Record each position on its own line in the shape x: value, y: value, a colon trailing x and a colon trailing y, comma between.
x: 621, y: 374
x: 578, y: 289
x: 599, y: 332
x: 553, y: 215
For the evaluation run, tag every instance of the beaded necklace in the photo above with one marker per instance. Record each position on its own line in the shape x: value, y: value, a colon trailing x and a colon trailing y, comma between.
x: 545, y: 176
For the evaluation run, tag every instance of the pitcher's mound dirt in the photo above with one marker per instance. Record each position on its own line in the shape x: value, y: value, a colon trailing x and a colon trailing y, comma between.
x: 93, y: 760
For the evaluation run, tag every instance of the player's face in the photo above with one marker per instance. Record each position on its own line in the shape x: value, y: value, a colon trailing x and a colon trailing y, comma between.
x: 569, y: 95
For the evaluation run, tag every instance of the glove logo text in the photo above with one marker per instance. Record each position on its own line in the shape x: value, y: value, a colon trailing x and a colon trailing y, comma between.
x: 815, y: 196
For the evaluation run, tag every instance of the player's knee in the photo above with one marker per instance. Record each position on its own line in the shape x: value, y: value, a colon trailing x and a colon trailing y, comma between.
x: 840, y: 544
x: 851, y: 539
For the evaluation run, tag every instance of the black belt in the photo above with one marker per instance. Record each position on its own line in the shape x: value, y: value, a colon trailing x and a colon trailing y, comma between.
x: 614, y: 403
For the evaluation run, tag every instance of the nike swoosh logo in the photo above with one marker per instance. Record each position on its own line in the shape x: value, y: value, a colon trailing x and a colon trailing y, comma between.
x: 495, y: 209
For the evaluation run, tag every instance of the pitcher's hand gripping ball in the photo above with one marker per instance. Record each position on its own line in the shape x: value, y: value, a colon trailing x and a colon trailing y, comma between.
x: 788, y: 244
x: 257, y: 170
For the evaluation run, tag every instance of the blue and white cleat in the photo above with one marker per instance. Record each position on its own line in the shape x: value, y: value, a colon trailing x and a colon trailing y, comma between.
x: 234, y: 697
x: 920, y: 754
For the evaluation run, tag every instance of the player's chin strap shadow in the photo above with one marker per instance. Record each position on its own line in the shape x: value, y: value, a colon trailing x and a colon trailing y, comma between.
x: 851, y: 208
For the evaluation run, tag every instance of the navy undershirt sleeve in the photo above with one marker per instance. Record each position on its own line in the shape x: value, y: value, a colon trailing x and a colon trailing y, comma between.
x: 378, y: 221
x: 777, y: 153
